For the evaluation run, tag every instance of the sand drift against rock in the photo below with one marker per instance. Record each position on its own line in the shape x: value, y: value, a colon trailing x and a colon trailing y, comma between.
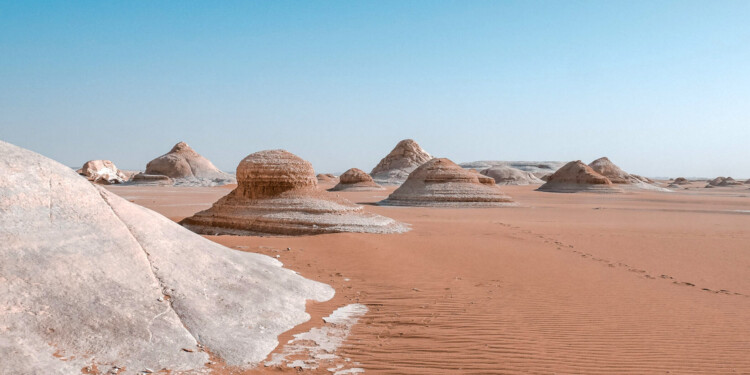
x: 442, y: 183
x: 277, y: 194
x: 89, y: 279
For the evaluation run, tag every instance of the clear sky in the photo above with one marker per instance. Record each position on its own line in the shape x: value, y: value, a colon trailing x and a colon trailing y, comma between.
x: 661, y: 87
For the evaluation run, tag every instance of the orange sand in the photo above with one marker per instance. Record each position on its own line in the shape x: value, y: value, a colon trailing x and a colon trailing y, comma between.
x: 565, y: 283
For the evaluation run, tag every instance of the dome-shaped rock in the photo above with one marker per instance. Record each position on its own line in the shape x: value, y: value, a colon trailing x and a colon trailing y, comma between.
x: 442, y: 183
x: 505, y: 175
x: 276, y: 194
x: 91, y: 280
x: 187, y: 167
x: 394, y: 169
x: 356, y: 180
x: 577, y: 176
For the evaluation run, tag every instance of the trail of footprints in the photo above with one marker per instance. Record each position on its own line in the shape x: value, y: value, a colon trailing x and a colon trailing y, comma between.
x: 642, y: 273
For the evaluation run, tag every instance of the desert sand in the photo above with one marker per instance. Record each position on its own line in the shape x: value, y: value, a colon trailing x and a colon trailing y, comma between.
x: 640, y: 283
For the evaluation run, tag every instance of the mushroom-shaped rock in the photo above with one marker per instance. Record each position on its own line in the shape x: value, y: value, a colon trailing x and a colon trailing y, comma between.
x: 102, y: 172
x: 442, y: 183
x: 103, y: 282
x: 277, y: 194
x: 187, y: 167
x: 506, y: 175
x: 577, y: 176
x: 394, y: 169
x: 356, y: 180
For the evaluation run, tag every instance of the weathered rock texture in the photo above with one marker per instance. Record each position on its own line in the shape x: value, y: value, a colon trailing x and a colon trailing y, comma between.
x: 102, y: 172
x: 151, y: 179
x: 442, y: 183
x: 724, y: 181
x: 187, y: 167
x: 577, y: 176
x: 505, y: 175
x: 277, y: 194
x: 394, y: 169
x: 537, y: 168
x: 356, y: 180
x: 681, y: 181
x: 87, y: 278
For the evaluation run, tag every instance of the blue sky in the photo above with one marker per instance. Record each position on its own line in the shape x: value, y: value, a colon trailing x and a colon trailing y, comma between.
x: 661, y: 87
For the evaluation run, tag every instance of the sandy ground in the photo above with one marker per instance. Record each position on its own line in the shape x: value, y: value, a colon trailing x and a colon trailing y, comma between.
x: 564, y: 283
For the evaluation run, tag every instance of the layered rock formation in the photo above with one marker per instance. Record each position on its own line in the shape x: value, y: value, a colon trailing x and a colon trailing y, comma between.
x: 394, y: 169
x: 89, y: 280
x: 277, y: 194
x: 608, y: 169
x: 356, y: 180
x: 102, y: 172
x: 151, y: 179
x: 681, y: 181
x: 187, y: 167
x: 442, y: 183
x: 577, y: 177
x: 505, y: 175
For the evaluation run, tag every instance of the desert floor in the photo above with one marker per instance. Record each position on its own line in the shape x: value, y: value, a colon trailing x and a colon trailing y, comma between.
x: 563, y: 283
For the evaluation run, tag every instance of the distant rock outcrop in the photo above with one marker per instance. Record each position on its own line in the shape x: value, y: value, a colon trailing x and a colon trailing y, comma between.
x: 356, y: 180
x: 151, y: 179
x: 442, y: 183
x: 327, y: 178
x: 537, y: 168
x: 102, y: 172
x: 681, y: 181
x: 187, y: 167
x: 724, y: 182
x: 608, y: 169
x: 91, y: 281
x: 505, y: 175
x: 277, y: 194
x: 578, y: 177
x: 394, y: 169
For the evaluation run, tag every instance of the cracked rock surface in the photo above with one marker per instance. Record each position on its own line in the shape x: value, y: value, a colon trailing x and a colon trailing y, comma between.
x: 89, y: 279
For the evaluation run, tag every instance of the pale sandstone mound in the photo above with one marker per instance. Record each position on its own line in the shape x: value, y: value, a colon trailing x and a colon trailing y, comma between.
x: 442, y: 183
x: 89, y: 279
x: 187, y: 167
x: 102, y: 172
x: 394, y: 169
x: 537, y: 168
x: 277, y: 194
x: 724, y: 181
x: 681, y: 181
x: 577, y: 176
x: 356, y: 180
x: 608, y: 169
x: 505, y: 175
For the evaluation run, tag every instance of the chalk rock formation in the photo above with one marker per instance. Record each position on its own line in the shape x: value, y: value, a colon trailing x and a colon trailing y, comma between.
x: 442, y: 183
x: 327, y: 178
x: 394, y: 169
x: 747, y: 182
x: 608, y: 169
x: 277, y: 194
x: 152, y: 179
x: 187, y: 167
x: 577, y: 176
x: 505, y: 175
x: 356, y: 180
x: 724, y: 181
x: 89, y: 279
x: 102, y: 172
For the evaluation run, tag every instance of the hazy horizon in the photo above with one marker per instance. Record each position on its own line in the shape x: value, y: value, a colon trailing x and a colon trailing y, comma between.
x: 661, y: 88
